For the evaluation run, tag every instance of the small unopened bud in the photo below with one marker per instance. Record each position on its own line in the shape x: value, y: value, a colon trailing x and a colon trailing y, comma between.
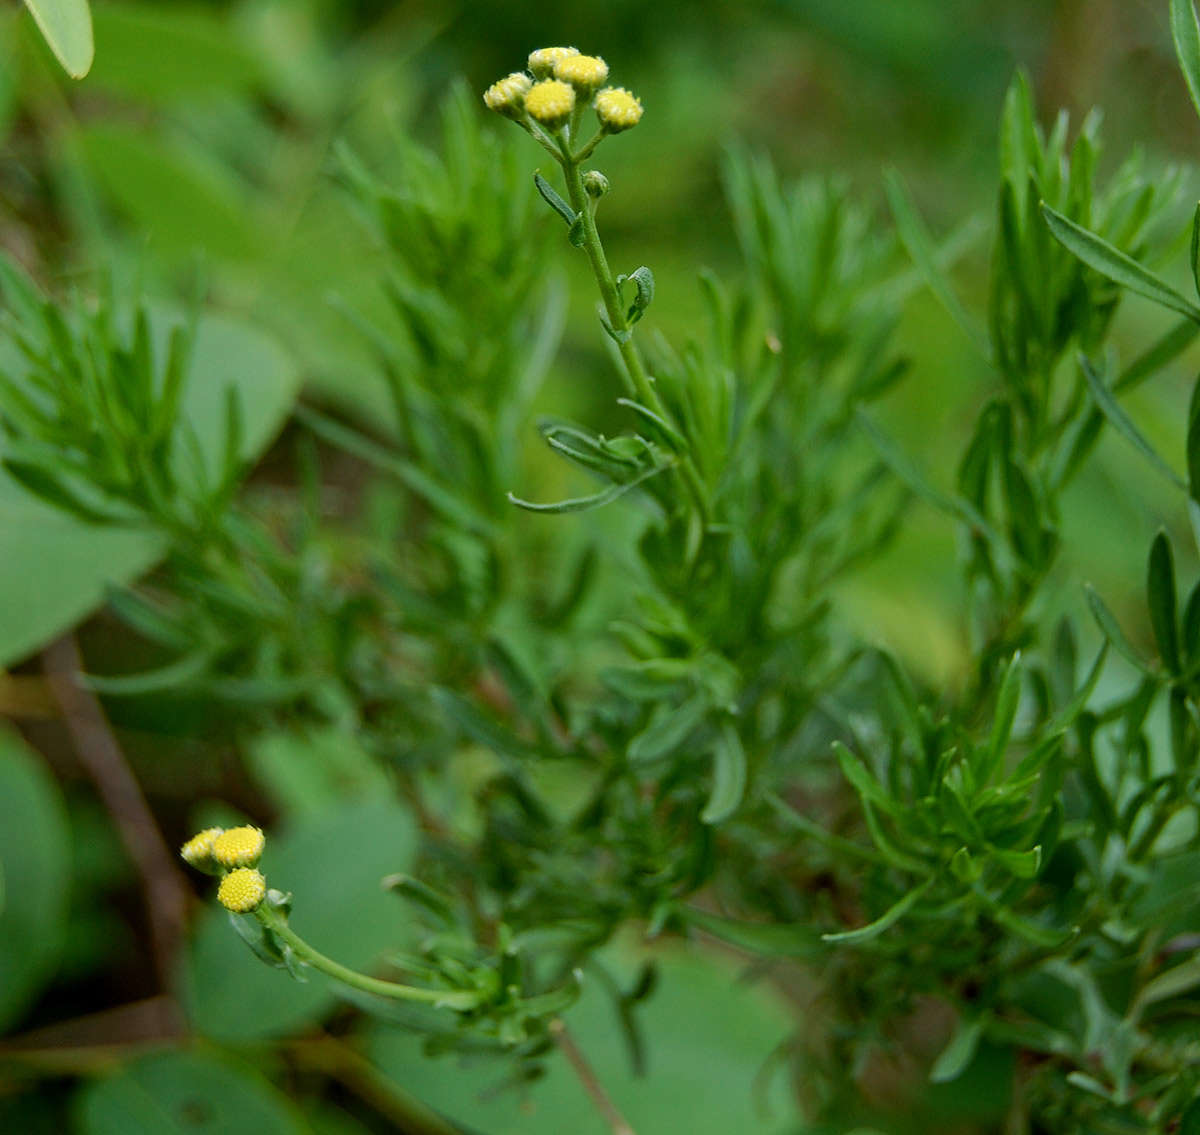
x: 198, y: 851
x: 507, y: 96
x: 595, y: 183
x: 617, y: 109
x: 242, y: 890
x: 239, y: 847
x: 550, y: 103
x: 584, y: 72
x: 542, y: 61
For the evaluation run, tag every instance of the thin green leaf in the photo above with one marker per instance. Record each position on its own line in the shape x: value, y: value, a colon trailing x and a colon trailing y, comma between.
x: 552, y: 198
x: 1097, y: 253
x: 958, y: 1054
x: 1186, y: 34
x: 1111, y: 409
x: 1160, y: 597
x: 597, y: 500
x: 889, y: 918
x: 1111, y: 629
x: 920, y: 247
x: 729, y: 776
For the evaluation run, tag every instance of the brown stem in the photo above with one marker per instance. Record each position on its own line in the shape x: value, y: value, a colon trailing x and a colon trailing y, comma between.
x: 101, y: 757
x: 591, y: 1085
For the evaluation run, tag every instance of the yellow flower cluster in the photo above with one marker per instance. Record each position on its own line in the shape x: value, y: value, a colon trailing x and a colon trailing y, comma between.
x: 562, y: 81
x: 242, y: 890
x: 232, y: 854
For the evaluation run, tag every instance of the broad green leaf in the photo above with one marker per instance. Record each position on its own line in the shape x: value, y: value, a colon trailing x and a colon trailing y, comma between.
x: 177, y: 196
x: 708, y: 1040
x: 161, y: 53
x: 67, y: 28
x: 55, y: 569
x: 1097, y: 253
x: 332, y: 863
x: 185, y: 1093
x: 1186, y: 33
x: 35, y: 860
x: 886, y: 920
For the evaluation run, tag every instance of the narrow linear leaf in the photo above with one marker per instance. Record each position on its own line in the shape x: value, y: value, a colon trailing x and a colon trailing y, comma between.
x: 1111, y: 409
x: 920, y: 247
x: 596, y: 500
x: 1186, y: 34
x: 889, y: 918
x: 958, y: 1054
x: 1160, y: 595
x: 552, y: 198
x: 729, y: 776
x: 1097, y: 253
x: 1006, y: 713
x: 1111, y: 629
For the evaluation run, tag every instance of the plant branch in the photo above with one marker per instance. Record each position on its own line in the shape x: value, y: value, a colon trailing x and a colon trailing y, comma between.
x: 101, y: 757
x: 595, y: 1090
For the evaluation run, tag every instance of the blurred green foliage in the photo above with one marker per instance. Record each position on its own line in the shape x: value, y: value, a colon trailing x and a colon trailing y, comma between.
x: 308, y: 162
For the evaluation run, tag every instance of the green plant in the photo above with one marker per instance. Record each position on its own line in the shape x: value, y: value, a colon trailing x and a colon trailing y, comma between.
x: 668, y: 724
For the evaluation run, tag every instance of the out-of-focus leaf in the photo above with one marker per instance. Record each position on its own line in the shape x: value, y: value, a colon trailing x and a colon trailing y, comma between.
x: 170, y: 1093
x: 159, y: 52
x: 67, y: 27
x: 55, y: 569
x: 176, y: 196
x: 34, y: 855
x: 333, y: 864
x: 700, y: 1020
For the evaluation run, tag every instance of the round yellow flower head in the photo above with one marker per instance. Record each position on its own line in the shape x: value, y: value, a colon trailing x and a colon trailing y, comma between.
x: 584, y: 72
x: 550, y: 103
x: 239, y: 847
x: 198, y: 850
x: 617, y: 109
x: 542, y: 61
x: 242, y: 890
x: 507, y: 96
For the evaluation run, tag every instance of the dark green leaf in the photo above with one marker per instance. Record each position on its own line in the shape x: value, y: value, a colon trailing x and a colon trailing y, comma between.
x: 1160, y: 596
x: 1112, y: 629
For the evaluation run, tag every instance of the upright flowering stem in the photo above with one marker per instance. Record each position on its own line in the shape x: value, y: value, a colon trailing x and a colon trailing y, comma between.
x: 461, y: 1000
x: 638, y: 381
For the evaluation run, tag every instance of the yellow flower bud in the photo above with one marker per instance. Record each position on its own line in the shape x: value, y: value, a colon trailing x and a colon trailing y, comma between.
x: 507, y: 96
x: 242, y: 890
x: 584, y: 72
x: 550, y: 103
x: 542, y: 61
x: 198, y: 850
x: 617, y: 109
x: 239, y: 847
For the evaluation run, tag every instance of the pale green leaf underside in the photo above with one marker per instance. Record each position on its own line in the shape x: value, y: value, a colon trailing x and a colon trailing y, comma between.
x: 67, y: 28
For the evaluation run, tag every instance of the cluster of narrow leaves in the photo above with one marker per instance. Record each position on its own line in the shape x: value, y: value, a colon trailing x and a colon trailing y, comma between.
x: 658, y: 716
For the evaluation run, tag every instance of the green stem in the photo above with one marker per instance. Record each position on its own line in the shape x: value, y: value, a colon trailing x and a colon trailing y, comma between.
x: 637, y: 380
x: 461, y: 1000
